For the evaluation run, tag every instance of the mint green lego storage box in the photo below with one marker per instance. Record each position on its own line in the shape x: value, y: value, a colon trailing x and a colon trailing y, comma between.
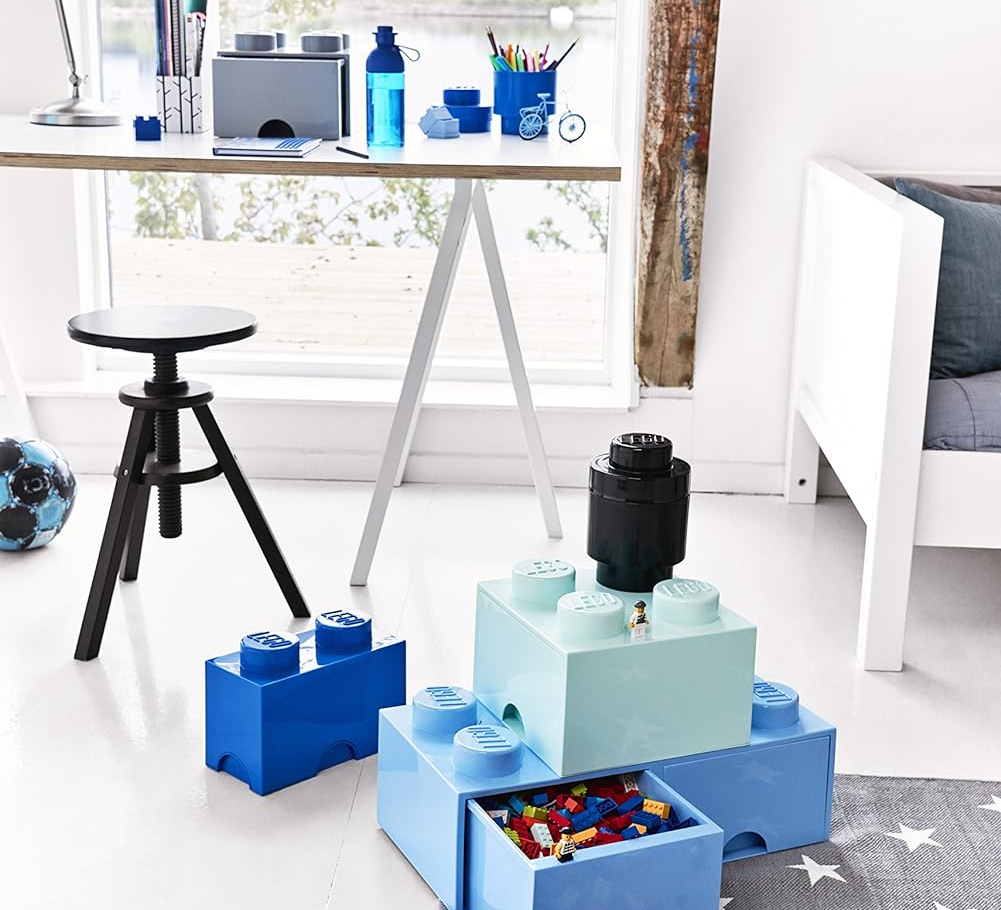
x: 556, y: 660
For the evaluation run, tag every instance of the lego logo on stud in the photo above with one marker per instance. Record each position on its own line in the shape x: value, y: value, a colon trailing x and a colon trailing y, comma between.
x: 484, y: 750
x: 343, y: 632
x: 442, y: 710
x: 774, y: 705
x: 591, y: 615
x: 542, y: 581
x: 685, y: 602
x: 269, y: 654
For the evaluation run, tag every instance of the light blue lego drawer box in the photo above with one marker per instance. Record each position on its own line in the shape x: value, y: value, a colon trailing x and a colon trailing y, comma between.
x: 773, y: 794
x: 440, y: 755
x: 556, y: 660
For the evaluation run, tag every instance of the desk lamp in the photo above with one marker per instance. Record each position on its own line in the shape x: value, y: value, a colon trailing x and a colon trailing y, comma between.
x: 73, y: 111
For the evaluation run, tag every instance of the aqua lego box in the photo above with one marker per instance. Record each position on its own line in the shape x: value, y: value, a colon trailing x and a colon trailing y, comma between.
x: 555, y: 659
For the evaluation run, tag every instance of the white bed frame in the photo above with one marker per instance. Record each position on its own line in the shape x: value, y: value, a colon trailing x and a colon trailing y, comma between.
x: 865, y: 311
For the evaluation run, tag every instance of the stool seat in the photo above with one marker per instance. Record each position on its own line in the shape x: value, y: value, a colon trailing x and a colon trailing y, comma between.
x: 162, y: 329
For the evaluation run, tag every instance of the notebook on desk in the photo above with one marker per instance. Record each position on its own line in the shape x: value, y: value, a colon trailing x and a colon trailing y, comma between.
x: 267, y: 148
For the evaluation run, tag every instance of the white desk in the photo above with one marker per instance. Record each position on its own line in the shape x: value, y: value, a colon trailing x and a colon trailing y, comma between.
x: 468, y: 160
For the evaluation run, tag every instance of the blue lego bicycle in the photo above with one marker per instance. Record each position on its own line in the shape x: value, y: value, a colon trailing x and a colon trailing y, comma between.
x: 533, y: 120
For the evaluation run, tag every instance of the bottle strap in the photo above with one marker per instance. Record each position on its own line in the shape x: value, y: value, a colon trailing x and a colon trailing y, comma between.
x: 403, y: 47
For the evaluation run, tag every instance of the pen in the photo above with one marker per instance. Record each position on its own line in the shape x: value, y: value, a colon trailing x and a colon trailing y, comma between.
x: 341, y: 148
x: 556, y: 63
x: 490, y: 37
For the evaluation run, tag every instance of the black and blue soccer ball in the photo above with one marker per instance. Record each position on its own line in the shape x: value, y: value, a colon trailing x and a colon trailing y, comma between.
x: 37, y: 491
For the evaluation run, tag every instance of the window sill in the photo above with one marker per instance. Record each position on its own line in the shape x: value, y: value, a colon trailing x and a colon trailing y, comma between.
x: 306, y: 390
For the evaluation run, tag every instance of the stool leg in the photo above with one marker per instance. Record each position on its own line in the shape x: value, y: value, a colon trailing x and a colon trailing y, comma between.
x: 137, y: 444
x: 137, y: 531
x: 252, y: 511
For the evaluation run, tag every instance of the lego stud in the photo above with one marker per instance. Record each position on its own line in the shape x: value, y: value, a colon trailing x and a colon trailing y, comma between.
x: 542, y: 581
x: 484, y: 750
x: 685, y: 602
x: 591, y: 615
x: 443, y: 710
x: 343, y: 632
x: 774, y: 705
x: 269, y: 654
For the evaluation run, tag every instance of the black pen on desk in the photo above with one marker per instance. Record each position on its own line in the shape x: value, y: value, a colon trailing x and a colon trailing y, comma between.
x: 341, y: 148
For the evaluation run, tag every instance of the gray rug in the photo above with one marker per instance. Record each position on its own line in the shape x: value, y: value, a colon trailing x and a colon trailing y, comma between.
x: 896, y: 844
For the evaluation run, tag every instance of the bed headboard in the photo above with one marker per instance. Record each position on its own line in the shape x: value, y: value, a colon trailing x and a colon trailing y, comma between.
x: 865, y: 311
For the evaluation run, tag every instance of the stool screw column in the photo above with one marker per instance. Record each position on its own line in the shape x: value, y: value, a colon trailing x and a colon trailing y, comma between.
x: 166, y: 380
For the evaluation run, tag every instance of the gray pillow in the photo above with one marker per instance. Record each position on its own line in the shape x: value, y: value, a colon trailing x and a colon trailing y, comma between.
x: 967, y: 337
x: 955, y: 190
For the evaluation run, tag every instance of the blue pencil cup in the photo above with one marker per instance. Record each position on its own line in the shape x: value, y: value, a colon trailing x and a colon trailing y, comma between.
x: 514, y: 91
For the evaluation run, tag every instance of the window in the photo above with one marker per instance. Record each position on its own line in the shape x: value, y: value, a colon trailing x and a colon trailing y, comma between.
x: 336, y: 268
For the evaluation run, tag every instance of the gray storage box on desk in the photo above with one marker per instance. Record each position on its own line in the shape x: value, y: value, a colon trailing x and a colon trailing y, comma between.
x: 262, y: 88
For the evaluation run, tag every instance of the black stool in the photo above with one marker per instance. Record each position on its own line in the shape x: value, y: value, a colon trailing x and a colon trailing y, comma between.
x: 152, y: 455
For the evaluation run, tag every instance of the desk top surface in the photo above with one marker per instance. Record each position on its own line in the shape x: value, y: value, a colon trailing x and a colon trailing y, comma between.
x: 487, y: 155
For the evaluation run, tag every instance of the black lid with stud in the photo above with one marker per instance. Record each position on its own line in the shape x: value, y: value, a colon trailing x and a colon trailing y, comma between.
x: 638, y: 519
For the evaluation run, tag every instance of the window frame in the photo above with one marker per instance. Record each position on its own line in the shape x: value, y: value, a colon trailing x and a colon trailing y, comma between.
x: 615, y: 371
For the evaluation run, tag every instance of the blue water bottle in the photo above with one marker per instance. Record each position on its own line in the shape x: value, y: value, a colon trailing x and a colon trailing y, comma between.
x: 384, y: 80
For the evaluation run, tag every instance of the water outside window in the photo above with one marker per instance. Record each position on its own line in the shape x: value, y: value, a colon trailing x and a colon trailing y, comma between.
x: 338, y: 267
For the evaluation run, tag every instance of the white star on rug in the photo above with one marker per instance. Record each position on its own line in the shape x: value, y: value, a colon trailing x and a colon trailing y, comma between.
x: 914, y: 838
x: 939, y: 906
x: 816, y: 870
x: 723, y: 901
x: 994, y: 806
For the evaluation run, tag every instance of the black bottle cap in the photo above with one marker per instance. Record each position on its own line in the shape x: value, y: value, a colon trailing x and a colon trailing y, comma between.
x: 640, y: 452
x: 640, y: 467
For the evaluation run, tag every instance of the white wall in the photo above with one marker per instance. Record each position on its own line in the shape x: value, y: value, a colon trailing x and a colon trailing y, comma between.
x: 41, y: 250
x: 882, y: 84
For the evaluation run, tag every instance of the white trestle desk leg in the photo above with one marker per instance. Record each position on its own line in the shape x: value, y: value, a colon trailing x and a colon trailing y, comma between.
x: 405, y: 419
x: 516, y: 362
x: 19, y: 414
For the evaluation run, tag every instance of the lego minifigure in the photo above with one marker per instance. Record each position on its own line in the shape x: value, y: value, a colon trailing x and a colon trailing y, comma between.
x: 566, y: 848
x: 639, y: 624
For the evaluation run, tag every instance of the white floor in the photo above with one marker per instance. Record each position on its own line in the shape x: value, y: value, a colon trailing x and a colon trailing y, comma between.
x: 104, y: 798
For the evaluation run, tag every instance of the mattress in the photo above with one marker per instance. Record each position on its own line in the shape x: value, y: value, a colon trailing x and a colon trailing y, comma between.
x: 964, y: 414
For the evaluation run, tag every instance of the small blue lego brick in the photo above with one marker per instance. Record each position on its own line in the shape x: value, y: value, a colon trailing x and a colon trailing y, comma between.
x: 774, y: 794
x: 429, y: 805
x: 147, y: 129
x: 630, y: 832
x: 591, y: 801
x: 517, y: 804
x: 287, y: 706
x: 607, y: 806
x: 648, y: 820
x: 438, y: 123
x: 586, y: 819
x: 630, y: 805
x: 539, y: 800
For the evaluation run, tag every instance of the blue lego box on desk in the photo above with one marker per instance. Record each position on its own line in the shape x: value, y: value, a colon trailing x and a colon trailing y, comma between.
x: 286, y: 706
x: 556, y: 661
x: 440, y: 755
x: 774, y: 794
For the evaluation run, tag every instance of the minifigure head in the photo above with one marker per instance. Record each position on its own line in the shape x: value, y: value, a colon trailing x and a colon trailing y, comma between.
x: 640, y: 606
x: 566, y: 832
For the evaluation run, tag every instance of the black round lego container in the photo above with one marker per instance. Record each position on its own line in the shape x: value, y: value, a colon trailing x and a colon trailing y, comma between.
x: 638, y: 516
